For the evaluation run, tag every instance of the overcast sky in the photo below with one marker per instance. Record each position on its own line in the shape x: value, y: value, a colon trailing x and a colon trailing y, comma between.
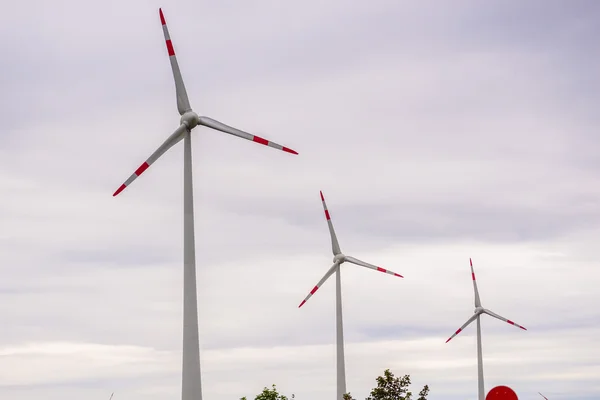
x: 438, y: 131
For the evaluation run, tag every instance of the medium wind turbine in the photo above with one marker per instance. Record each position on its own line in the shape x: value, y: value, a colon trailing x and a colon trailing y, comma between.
x: 479, y: 310
x: 338, y: 259
x: 191, y: 388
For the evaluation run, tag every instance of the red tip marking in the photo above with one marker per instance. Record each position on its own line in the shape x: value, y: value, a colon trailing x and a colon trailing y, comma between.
x: 327, y: 215
x: 142, y: 168
x: 322, y: 198
x: 119, y: 190
x: 471, y: 262
x: 448, y: 340
x: 162, y: 17
x: 381, y: 269
x: 289, y: 150
x: 395, y: 274
x: 260, y: 140
x: 314, y: 290
x: 301, y: 304
x: 170, y: 48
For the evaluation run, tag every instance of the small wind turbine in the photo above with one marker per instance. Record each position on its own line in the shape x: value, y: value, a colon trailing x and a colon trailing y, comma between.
x: 477, y: 313
x: 542, y: 395
x: 111, y: 396
x: 191, y: 384
x: 338, y: 259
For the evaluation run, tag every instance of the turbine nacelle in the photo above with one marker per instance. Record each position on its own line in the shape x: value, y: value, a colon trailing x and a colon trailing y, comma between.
x: 190, y: 119
x: 479, y: 310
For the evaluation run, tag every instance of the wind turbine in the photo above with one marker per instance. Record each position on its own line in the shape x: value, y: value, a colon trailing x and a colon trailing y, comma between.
x: 191, y: 384
x: 479, y: 310
x: 111, y: 396
x: 542, y: 395
x: 338, y: 259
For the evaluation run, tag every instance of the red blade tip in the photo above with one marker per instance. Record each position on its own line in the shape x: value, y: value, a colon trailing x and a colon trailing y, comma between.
x: 290, y: 151
x: 322, y: 198
x: 301, y: 304
x: 162, y: 17
x: 119, y: 190
x: 471, y: 262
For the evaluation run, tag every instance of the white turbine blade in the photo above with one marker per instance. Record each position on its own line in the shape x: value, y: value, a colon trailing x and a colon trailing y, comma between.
x: 477, y: 299
x: 493, y: 314
x: 463, y: 327
x: 170, y: 142
x: 374, y: 267
x: 542, y: 395
x: 219, y: 126
x: 321, y: 282
x: 111, y: 396
x: 183, y: 103
x: 335, y: 246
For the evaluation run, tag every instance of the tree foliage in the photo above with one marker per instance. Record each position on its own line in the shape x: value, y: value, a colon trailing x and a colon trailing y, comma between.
x: 270, y: 394
x: 390, y: 387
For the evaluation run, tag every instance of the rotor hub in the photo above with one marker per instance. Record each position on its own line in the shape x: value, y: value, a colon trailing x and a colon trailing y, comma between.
x: 190, y: 119
x: 478, y: 310
x: 339, y: 258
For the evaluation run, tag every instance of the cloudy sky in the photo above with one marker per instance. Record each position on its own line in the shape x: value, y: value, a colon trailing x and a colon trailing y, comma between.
x: 438, y: 131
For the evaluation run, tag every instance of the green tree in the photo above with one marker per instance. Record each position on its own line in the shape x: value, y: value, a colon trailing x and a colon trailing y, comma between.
x: 390, y: 387
x: 348, y: 396
x: 270, y: 394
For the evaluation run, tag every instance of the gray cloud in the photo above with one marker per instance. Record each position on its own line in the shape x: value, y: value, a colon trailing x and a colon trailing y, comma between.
x: 437, y: 132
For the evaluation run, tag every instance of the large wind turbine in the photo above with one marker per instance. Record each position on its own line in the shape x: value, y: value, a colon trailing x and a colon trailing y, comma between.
x: 191, y: 385
x: 338, y: 259
x: 479, y: 310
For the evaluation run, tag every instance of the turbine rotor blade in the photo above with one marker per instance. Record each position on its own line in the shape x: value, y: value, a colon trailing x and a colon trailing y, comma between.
x: 374, y: 267
x: 477, y: 299
x: 321, y: 282
x: 501, y: 318
x: 542, y: 395
x: 183, y: 103
x: 463, y: 327
x: 219, y: 126
x: 335, y: 246
x: 167, y: 144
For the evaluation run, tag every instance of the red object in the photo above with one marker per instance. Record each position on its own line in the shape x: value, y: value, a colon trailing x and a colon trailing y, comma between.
x: 501, y: 393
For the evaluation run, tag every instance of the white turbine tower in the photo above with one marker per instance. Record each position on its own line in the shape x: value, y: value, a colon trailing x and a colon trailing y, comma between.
x: 191, y: 384
x: 476, y: 316
x: 338, y: 259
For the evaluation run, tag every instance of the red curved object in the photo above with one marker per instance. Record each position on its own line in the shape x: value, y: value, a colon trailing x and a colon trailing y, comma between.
x: 501, y: 393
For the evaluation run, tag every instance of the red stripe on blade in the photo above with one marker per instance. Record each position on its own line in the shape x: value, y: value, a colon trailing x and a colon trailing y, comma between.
x: 119, y: 190
x: 314, y: 290
x: 142, y: 168
x: 327, y: 215
x: 381, y: 269
x: 260, y: 140
x: 170, y: 49
x: 473, y: 275
x: 289, y: 150
x: 162, y: 17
